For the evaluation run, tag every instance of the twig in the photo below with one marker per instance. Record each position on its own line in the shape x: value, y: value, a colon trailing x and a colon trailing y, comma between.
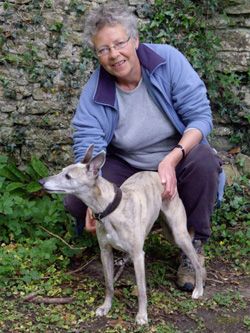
x: 119, y: 273
x: 30, y: 296
x: 121, y: 269
x: 219, y: 276
x: 61, y: 239
x: 49, y: 300
x: 84, y: 266
x: 214, y: 280
x: 34, y: 298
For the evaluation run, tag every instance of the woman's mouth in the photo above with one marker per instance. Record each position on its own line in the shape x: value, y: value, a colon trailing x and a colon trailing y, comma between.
x: 118, y: 64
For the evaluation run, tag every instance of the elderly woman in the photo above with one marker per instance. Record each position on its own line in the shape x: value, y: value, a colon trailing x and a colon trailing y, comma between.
x: 147, y: 107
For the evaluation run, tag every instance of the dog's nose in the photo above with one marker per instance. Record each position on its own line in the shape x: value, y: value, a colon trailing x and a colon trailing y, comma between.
x: 41, y: 181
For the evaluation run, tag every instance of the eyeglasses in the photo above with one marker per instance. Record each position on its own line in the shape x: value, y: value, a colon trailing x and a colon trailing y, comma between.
x: 103, y: 51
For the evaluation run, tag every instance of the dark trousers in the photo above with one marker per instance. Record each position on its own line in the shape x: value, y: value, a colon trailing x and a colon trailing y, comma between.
x: 197, y: 182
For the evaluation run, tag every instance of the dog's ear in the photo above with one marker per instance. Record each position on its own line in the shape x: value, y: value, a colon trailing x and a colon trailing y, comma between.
x: 88, y: 155
x: 97, y: 162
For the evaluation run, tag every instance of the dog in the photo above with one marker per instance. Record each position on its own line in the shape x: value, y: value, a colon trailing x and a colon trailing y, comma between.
x: 125, y: 217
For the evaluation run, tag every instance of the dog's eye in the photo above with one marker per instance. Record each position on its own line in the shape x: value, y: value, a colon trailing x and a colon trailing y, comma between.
x: 67, y: 176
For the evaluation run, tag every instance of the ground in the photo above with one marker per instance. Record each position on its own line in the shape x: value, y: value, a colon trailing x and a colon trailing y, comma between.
x: 223, y: 309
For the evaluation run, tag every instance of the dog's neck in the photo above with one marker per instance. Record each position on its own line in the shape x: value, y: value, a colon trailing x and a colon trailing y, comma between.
x: 111, y: 207
x: 99, y: 196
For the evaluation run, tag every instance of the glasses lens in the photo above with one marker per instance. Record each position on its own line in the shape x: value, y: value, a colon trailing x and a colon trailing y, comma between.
x: 118, y: 46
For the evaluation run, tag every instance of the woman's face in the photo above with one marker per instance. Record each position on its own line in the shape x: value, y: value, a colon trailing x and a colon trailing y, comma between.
x: 123, y: 63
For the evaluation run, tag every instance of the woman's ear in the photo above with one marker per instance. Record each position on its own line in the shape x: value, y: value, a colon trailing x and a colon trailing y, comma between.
x: 136, y: 42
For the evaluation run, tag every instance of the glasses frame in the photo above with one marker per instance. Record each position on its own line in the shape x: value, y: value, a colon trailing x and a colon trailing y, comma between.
x: 105, y: 50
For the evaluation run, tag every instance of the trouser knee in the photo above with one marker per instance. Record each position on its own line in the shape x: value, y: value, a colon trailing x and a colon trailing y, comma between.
x: 204, y: 162
x: 197, y: 177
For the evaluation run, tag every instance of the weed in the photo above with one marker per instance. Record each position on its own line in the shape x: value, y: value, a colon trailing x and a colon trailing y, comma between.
x: 230, y: 225
x: 184, y: 24
x: 77, y: 6
x: 28, y: 217
x: 228, y: 299
x: 247, y: 322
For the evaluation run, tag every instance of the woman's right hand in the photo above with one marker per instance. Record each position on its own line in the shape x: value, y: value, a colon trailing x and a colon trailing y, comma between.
x: 90, y: 222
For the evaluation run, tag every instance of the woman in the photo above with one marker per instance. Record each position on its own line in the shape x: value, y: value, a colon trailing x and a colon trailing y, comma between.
x: 147, y: 107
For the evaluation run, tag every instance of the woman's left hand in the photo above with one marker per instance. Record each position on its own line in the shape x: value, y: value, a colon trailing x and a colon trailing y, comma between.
x: 90, y: 222
x: 167, y: 175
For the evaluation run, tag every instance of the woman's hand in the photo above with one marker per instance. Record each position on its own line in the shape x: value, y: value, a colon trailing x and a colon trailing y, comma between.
x: 166, y: 167
x: 90, y: 222
x: 167, y: 175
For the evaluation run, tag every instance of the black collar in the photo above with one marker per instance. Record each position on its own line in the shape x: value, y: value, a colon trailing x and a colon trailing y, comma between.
x: 111, y: 207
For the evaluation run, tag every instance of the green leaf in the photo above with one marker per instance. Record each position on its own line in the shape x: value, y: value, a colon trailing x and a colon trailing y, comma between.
x: 39, y: 167
x: 2, y: 180
x: 11, y: 172
x: 16, y: 172
x: 14, y: 186
x: 3, y: 159
x: 33, y: 187
x: 4, y: 172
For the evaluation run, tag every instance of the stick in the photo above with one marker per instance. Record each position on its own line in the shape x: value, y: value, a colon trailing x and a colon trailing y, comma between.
x: 58, y: 237
x: 49, y: 300
x: 120, y: 270
x: 84, y: 266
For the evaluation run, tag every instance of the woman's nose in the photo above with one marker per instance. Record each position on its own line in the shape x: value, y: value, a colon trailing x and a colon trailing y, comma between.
x: 113, y: 53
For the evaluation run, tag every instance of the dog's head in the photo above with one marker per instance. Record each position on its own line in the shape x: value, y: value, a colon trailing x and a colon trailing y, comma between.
x: 77, y: 177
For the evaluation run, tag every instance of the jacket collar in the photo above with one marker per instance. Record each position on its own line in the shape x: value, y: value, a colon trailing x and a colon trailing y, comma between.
x: 105, y: 91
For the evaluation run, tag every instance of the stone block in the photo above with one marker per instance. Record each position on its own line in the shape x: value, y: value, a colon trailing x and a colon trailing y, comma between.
x: 235, y: 40
x: 221, y: 143
x: 233, y: 61
x: 232, y: 173
x: 222, y: 131
x: 7, y: 107
x: 243, y: 162
x: 241, y: 9
x: 5, y: 133
x: 245, y: 90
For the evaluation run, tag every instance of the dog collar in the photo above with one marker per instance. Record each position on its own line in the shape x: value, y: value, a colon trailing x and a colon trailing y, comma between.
x: 111, y: 207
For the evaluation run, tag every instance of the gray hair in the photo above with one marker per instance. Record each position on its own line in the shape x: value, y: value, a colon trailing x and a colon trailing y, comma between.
x: 109, y: 14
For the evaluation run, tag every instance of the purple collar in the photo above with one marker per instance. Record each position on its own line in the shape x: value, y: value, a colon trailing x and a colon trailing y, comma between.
x: 105, y: 92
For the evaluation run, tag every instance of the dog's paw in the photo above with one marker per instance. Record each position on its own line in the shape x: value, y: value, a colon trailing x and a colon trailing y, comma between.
x: 141, y: 319
x: 197, y: 293
x: 102, y: 310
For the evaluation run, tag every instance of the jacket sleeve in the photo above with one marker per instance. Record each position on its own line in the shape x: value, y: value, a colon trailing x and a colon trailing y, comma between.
x: 189, y: 94
x: 88, y: 124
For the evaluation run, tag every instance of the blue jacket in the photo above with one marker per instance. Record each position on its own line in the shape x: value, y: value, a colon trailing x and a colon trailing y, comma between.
x: 173, y: 84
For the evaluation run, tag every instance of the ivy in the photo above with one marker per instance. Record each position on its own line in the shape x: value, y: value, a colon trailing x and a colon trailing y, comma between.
x: 185, y: 25
x: 231, y: 224
x: 26, y: 212
x: 77, y: 6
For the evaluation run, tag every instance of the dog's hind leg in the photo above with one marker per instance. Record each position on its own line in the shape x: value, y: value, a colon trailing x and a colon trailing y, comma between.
x: 139, y: 267
x: 108, y: 270
x: 176, y: 219
x: 185, y: 244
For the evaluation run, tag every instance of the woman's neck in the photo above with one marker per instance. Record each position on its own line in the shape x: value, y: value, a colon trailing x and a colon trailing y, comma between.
x: 130, y: 83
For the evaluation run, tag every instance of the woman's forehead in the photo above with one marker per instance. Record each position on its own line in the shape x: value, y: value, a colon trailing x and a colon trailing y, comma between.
x: 109, y: 33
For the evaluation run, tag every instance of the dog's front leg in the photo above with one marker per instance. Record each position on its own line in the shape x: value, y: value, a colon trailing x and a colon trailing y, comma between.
x: 139, y: 267
x: 108, y: 270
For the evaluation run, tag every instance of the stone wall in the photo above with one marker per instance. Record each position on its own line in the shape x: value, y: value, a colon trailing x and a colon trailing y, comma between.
x: 44, y: 65
x: 234, y: 31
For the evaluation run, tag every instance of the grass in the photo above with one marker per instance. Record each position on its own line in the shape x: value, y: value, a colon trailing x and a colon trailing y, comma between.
x: 169, y: 310
x: 36, y: 256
